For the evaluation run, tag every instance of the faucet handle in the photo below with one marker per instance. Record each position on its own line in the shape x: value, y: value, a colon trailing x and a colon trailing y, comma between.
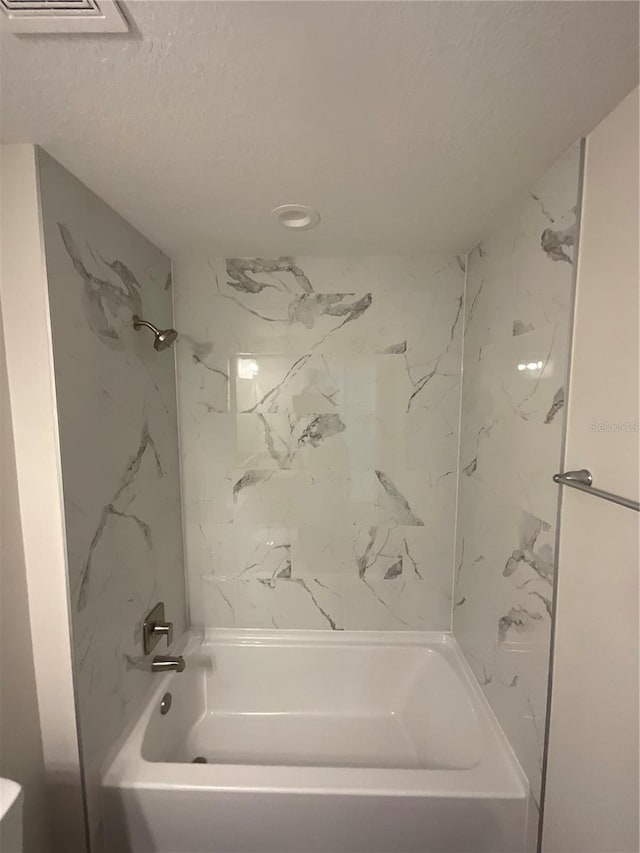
x: 154, y: 627
x: 163, y: 629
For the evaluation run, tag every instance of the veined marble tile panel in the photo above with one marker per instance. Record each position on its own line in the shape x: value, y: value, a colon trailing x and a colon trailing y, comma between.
x: 240, y: 317
x: 335, y: 602
x: 308, y: 274
x: 261, y: 603
x: 516, y: 350
x: 119, y: 453
x: 319, y: 407
x: 519, y: 275
x: 285, y: 497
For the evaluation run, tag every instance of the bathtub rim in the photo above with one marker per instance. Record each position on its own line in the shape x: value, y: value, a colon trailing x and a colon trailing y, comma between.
x: 126, y: 768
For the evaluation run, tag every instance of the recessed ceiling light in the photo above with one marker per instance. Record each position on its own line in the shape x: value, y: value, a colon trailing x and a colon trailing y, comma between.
x: 298, y: 216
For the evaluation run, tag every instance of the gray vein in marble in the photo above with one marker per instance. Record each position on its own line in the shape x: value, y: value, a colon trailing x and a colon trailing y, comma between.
x: 139, y: 663
x: 252, y: 311
x: 395, y: 349
x: 487, y: 676
x: 131, y: 471
x: 383, y: 602
x: 393, y: 571
x: 457, y: 318
x: 250, y: 478
x: 144, y: 528
x: 556, y: 405
x: 284, y: 457
x: 541, y: 561
x: 330, y: 398
x: 237, y: 269
x: 544, y: 599
x: 420, y: 384
x: 103, y: 300
x: 553, y: 243
x: 460, y: 564
x: 461, y: 259
x: 300, y: 582
x: 168, y: 281
x: 285, y: 572
x: 412, y: 561
x: 403, y: 512
x: 520, y: 328
x: 474, y: 301
x: 308, y: 431
x: 368, y: 559
x: 530, y: 529
x: 199, y: 352
x: 519, y: 619
x: 272, y: 583
x: 308, y: 308
x: 424, y: 381
x: 282, y: 568
x: 320, y: 428
x: 471, y: 467
x: 221, y: 594
x: 127, y: 278
x: 273, y: 393
x: 544, y: 211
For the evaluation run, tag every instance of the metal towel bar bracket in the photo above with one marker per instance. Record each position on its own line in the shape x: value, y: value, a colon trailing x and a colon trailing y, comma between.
x: 583, y: 481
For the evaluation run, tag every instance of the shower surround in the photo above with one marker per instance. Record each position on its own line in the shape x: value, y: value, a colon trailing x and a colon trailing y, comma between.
x: 519, y: 293
x: 319, y: 406
x: 119, y: 455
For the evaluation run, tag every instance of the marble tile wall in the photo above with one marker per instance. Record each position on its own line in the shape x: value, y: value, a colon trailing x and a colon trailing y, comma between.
x: 119, y: 450
x: 319, y: 405
x: 519, y: 294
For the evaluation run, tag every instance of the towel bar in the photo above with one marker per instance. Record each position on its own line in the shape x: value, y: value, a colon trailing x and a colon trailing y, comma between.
x: 583, y: 481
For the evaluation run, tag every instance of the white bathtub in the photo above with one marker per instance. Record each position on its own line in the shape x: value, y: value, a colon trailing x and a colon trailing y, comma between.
x: 317, y: 742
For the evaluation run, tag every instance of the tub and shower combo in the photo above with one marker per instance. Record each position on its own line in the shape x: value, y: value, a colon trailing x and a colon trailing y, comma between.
x: 334, y: 471
x: 290, y: 741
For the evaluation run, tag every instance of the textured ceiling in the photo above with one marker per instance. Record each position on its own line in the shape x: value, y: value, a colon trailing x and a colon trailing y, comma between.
x: 408, y: 125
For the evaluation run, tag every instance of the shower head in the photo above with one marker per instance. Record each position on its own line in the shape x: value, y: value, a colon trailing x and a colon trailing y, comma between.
x: 163, y: 337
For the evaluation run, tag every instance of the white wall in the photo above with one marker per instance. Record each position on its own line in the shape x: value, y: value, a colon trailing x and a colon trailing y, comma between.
x: 591, y: 802
x: 33, y: 410
x: 20, y: 742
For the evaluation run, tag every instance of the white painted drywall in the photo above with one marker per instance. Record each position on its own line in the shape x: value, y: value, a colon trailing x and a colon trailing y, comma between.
x: 20, y: 743
x: 592, y: 779
x: 23, y: 290
x: 408, y: 125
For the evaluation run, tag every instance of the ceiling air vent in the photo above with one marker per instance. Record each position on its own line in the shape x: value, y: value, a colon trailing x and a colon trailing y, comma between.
x: 63, y: 16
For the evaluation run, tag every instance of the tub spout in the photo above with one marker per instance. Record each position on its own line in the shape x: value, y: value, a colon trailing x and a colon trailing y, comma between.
x: 164, y: 663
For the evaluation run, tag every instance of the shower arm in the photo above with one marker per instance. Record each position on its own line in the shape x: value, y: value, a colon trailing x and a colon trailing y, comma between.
x: 138, y: 321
